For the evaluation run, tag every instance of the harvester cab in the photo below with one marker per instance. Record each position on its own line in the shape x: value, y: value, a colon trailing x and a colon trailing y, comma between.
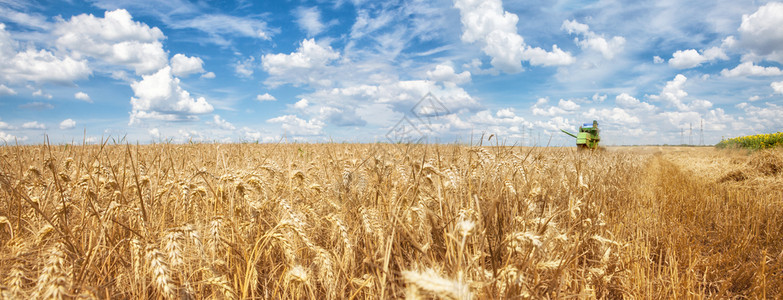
x: 587, y: 137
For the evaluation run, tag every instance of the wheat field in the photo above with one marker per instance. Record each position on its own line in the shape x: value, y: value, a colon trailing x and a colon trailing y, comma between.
x: 368, y: 221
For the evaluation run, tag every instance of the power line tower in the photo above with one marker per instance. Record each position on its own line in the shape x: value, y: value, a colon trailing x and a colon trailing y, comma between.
x: 523, y: 135
x: 682, y: 136
x: 701, y: 133
x: 690, y: 135
x: 530, y: 132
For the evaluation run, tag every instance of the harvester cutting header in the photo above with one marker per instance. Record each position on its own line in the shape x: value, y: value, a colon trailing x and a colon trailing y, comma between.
x: 587, y: 137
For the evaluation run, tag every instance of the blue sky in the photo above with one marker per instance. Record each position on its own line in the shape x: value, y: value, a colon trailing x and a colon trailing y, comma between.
x: 364, y: 71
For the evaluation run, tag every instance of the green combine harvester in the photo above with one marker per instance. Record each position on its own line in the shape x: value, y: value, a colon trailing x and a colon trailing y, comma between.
x: 588, y: 137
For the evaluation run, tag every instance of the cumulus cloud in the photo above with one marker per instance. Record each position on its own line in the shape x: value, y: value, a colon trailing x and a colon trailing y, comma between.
x: 616, y: 116
x: 182, y: 65
x: 657, y: 60
x: 10, y: 138
x: 629, y: 102
x: 777, y: 87
x: 568, y: 105
x: 245, y: 67
x: 222, y: 123
x: 486, y: 23
x: 67, y: 124
x: 42, y: 94
x: 749, y: 69
x: 33, y: 125
x: 265, y: 97
x: 4, y: 90
x: 154, y: 132
x: 673, y: 94
x: 445, y: 73
x: 82, y: 96
x: 37, y: 65
x: 607, y: 47
x: 293, y: 125
x: 306, y: 65
x: 208, y: 75
x: 767, y: 117
x: 6, y: 126
x: 309, y: 20
x: 542, y: 109
x: 159, y: 96
x: 762, y: 32
x: 301, y: 104
x: 691, y: 58
x: 114, y: 39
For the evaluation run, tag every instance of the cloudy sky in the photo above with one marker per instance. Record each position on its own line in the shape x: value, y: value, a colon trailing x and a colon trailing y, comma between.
x: 364, y: 71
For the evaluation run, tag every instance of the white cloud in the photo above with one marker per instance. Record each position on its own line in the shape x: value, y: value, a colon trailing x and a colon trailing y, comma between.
x: 446, y: 73
x: 673, y: 94
x: 700, y: 105
x: 629, y: 102
x: 222, y: 123
x: 657, y: 60
x: 293, y: 125
x: 33, y: 125
x: 37, y: 65
x: 154, y: 132
x: 568, y: 105
x: 616, y: 115
x: 245, y: 68
x: 692, y: 58
x: 208, y: 75
x: 766, y: 117
x: 505, y: 113
x: 306, y: 65
x: 82, y: 96
x: 265, y: 97
x: 115, y: 39
x: 542, y: 109
x: 35, y: 20
x: 41, y: 93
x: 608, y: 48
x: 301, y: 104
x: 754, y: 98
x: 749, y: 69
x: 4, y: 90
x: 777, y: 87
x: 159, y: 96
x: 251, y: 134
x: 486, y: 23
x: 217, y: 26
x: 6, y: 126
x: 9, y: 138
x: 190, y: 135
x: 309, y: 20
x: 67, y: 124
x: 762, y: 32
x: 182, y: 65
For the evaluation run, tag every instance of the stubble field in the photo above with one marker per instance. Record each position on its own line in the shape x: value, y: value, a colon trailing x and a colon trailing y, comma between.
x: 342, y: 221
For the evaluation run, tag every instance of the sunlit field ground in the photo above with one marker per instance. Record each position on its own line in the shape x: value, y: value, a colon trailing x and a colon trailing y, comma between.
x: 337, y: 221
